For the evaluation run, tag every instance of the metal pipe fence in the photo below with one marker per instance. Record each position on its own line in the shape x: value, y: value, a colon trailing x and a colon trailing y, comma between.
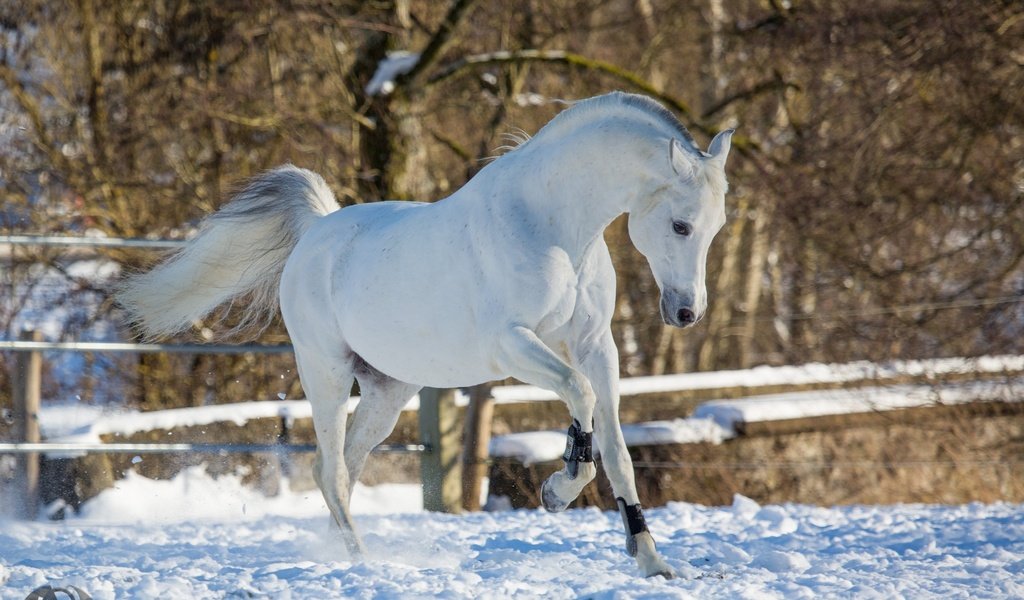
x: 436, y: 450
x: 199, y: 448
x: 129, y: 347
x: 89, y: 242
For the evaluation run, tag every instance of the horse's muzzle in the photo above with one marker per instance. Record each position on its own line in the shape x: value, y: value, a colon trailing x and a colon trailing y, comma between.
x: 678, y: 310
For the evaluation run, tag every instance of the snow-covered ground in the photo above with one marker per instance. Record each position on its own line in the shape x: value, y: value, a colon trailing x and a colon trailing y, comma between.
x: 194, y: 537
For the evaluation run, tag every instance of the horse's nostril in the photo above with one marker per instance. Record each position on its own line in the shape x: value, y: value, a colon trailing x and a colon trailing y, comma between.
x: 686, y: 316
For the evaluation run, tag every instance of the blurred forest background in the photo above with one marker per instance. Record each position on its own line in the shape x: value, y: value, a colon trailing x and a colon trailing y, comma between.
x: 876, y: 193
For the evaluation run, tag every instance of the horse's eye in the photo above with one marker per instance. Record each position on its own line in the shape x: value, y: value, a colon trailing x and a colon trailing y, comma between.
x: 682, y: 228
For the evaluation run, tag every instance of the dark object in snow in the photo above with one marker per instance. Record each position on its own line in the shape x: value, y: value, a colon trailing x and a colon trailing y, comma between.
x: 48, y: 592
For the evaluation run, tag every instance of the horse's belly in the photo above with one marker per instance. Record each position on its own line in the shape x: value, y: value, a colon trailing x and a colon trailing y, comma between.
x: 417, y: 328
x: 434, y: 359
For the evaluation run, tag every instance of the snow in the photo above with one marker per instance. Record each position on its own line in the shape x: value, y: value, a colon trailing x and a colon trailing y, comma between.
x: 676, y: 431
x: 61, y: 303
x: 542, y: 446
x: 529, y: 447
x: 193, y: 495
x: 388, y: 70
x: 715, y: 421
x: 196, y: 537
x: 83, y: 423
x: 794, y: 375
x: 199, y: 537
x: 76, y: 422
x: 774, y: 407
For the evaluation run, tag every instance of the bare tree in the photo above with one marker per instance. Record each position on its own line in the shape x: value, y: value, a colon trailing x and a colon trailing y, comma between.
x: 876, y: 207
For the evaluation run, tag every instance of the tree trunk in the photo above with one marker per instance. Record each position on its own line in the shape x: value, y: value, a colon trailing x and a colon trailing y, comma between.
x: 714, y: 50
x: 720, y: 305
x: 755, y: 279
x: 807, y: 303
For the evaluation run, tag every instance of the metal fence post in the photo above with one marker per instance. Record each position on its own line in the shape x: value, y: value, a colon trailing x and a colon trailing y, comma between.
x: 441, y: 465
x: 27, y: 382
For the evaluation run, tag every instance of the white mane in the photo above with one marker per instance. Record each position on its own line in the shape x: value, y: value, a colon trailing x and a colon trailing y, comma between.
x: 615, y: 104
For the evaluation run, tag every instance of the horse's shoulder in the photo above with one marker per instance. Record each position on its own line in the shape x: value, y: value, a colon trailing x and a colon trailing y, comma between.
x: 596, y: 287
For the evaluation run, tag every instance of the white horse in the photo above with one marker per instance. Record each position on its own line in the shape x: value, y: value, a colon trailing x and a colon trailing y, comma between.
x: 510, y: 276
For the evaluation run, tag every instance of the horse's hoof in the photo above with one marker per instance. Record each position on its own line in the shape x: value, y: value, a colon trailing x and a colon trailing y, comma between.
x: 657, y: 567
x: 550, y: 500
x: 647, y: 558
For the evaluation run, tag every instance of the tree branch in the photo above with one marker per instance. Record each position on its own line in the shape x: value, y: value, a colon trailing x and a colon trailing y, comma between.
x: 461, y: 66
x: 95, y: 94
x: 775, y: 83
x: 430, y: 55
x: 34, y: 113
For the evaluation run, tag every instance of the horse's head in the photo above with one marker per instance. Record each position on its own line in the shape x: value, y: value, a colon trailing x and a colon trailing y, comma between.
x: 674, y: 227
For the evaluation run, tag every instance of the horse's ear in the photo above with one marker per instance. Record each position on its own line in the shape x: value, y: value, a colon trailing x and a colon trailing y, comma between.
x: 684, y: 162
x: 719, y: 148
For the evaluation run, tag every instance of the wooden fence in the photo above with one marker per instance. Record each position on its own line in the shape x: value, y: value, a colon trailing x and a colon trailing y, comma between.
x: 439, y: 449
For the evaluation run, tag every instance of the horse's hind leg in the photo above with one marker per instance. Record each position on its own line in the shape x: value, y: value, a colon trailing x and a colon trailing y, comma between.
x: 525, y: 357
x: 381, y: 403
x: 327, y: 381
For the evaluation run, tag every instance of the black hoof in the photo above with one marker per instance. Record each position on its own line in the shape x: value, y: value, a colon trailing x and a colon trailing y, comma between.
x: 550, y: 500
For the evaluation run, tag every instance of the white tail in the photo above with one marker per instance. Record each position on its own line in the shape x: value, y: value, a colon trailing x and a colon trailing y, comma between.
x: 240, y: 251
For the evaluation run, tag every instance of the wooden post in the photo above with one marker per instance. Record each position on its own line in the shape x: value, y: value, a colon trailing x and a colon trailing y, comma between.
x: 440, y: 466
x: 479, y: 416
x: 27, y: 382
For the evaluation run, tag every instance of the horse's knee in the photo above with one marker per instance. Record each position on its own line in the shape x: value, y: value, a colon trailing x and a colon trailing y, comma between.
x: 331, y: 476
x: 579, y: 387
x: 354, y: 465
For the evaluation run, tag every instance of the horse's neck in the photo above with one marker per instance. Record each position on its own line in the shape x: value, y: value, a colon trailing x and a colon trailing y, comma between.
x: 573, y: 193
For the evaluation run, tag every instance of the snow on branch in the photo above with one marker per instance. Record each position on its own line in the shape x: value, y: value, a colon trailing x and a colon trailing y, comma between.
x: 390, y: 69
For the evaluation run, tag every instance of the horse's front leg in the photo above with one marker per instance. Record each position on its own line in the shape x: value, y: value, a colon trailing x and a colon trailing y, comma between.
x: 601, y: 365
x: 524, y: 356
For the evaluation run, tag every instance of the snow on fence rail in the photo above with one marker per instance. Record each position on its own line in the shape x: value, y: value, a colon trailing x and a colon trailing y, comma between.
x: 715, y: 421
x: 808, y: 375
